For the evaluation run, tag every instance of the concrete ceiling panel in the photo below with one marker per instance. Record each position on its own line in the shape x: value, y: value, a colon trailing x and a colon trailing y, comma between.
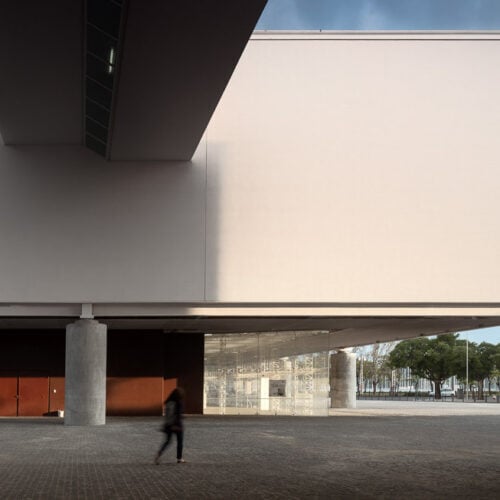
x: 176, y: 61
x: 41, y: 72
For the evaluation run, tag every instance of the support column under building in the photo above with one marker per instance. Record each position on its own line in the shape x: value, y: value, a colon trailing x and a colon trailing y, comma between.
x: 343, y: 379
x: 85, y: 379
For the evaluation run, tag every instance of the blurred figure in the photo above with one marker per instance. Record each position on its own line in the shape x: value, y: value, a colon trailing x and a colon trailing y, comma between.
x: 174, y: 415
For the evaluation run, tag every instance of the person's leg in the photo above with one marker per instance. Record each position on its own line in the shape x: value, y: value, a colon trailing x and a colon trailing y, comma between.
x: 166, y: 443
x: 180, y: 440
x: 163, y: 447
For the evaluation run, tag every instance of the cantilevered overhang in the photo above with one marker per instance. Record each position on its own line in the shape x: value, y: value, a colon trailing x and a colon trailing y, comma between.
x: 176, y: 61
x: 349, y: 324
x: 168, y: 66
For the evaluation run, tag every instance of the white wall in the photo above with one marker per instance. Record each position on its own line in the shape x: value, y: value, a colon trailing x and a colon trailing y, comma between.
x: 357, y: 170
x: 337, y: 170
x: 75, y: 228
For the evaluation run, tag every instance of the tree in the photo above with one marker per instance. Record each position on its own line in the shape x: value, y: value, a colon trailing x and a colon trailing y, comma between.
x: 375, y: 363
x: 433, y: 359
x: 466, y: 362
x: 482, y: 363
x: 495, y: 376
x: 486, y: 365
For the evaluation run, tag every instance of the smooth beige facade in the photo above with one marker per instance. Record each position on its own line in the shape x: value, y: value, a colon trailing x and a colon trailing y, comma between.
x: 356, y: 169
x: 352, y: 174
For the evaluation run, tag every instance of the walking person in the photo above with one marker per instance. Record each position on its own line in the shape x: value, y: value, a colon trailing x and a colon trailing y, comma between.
x: 174, y: 409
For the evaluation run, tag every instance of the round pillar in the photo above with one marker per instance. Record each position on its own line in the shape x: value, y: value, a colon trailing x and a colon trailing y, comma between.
x: 343, y: 379
x: 85, y: 384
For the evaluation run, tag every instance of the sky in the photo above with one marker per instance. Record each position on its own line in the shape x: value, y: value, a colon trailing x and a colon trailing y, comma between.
x: 387, y: 15
x: 491, y: 335
x: 380, y: 15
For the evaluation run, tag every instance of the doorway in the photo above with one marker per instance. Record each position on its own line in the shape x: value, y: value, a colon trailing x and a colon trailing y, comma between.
x: 24, y: 395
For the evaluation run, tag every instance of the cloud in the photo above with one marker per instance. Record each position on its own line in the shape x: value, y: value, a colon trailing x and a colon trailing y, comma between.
x: 282, y: 14
x: 380, y: 14
x: 371, y: 17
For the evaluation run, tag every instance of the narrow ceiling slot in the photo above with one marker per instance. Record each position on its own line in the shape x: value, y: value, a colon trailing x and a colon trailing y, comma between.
x: 102, y: 36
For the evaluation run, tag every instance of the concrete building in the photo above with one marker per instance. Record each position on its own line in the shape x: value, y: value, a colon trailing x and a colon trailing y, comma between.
x: 161, y: 178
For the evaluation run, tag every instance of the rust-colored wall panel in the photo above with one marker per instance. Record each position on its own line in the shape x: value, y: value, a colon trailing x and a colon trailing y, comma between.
x: 143, y: 368
x: 134, y: 395
x: 8, y: 396
x: 139, y: 354
x: 56, y: 393
x: 33, y: 356
x: 169, y: 384
x: 33, y: 396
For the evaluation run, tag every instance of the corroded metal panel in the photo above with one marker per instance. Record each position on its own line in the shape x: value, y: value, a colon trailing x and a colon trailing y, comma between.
x: 33, y: 396
x: 8, y: 396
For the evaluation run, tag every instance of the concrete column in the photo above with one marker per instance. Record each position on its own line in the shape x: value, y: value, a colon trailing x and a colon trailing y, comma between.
x: 85, y: 386
x: 343, y: 379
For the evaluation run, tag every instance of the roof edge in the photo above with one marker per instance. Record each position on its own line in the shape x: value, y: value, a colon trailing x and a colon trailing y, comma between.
x: 378, y: 35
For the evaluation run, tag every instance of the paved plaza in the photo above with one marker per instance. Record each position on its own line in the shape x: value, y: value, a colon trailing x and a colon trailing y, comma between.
x: 381, y: 450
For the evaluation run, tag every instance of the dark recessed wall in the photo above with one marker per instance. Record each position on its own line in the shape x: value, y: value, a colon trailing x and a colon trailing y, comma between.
x: 184, y: 353
x: 28, y: 351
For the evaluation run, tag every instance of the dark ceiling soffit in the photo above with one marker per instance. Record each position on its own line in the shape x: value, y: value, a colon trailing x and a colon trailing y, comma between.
x: 40, y: 72
x: 177, y: 59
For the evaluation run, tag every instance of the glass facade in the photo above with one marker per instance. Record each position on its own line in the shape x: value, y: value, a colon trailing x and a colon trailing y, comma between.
x: 267, y: 374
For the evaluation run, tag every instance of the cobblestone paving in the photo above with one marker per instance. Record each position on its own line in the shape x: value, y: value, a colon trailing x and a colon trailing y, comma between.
x: 255, y: 457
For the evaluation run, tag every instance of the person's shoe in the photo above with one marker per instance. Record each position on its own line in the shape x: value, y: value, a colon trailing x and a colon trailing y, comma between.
x: 181, y: 461
x: 157, y: 459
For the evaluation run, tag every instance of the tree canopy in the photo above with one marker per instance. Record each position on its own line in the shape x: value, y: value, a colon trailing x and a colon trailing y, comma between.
x: 439, y: 358
x: 432, y: 358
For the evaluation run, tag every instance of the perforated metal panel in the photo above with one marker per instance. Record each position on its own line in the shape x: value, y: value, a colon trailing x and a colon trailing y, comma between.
x: 267, y: 373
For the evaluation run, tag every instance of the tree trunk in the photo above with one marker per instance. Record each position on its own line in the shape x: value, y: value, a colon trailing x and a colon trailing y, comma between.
x: 437, y: 389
